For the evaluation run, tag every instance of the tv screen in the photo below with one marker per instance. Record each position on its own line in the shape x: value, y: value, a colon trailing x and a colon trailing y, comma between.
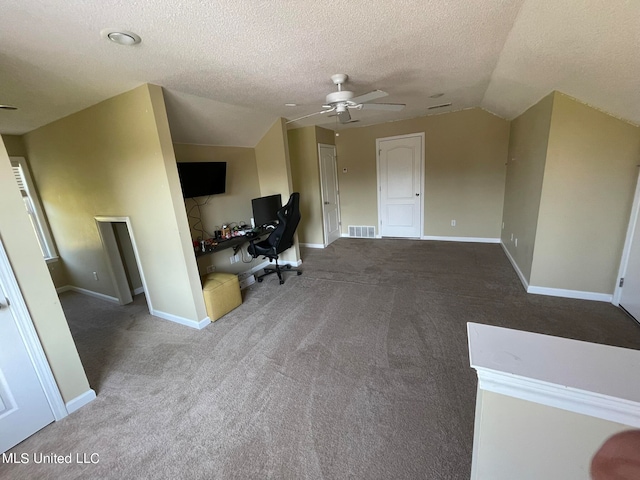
x: 265, y: 209
x: 202, y: 178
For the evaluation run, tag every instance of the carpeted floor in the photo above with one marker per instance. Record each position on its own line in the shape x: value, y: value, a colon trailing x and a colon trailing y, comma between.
x: 356, y: 369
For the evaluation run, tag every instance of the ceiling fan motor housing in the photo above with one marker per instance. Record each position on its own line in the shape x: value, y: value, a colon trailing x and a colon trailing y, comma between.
x: 336, y: 97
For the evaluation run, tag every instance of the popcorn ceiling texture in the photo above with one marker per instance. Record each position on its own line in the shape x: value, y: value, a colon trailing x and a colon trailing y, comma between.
x: 231, y: 65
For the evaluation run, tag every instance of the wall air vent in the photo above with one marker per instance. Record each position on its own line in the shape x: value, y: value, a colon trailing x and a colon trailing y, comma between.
x: 362, y: 231
x: 442, y: 105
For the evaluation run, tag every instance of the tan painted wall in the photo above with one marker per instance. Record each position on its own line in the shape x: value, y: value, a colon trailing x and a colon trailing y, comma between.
x: 303, y: 150
x: 37, y: 288
x: 15, y: 145
x: 116, y: 159
x: 234, y: 206
x: 526, y: 163
x: 517, y: 439
x: 465, y: 156
x: 274, y: 170
x: 589, y: 183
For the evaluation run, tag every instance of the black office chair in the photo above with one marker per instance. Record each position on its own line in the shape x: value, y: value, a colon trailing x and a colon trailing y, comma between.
x: 280, y: 239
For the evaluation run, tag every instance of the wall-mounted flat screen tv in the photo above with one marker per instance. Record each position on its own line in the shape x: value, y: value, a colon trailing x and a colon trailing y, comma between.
x: 199, y: 179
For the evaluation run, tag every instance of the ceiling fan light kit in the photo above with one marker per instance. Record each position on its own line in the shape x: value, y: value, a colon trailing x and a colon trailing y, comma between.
x: 343, y: 100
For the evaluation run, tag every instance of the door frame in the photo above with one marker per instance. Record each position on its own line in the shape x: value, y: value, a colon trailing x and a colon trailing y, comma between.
x: 30, y: 337
x: 634, y: 222
x: 115, y: 264
x: 422, y: 169
x: 322, y: 180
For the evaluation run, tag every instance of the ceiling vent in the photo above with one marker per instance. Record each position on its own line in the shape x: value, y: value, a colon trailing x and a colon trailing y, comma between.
x: 442, y: 105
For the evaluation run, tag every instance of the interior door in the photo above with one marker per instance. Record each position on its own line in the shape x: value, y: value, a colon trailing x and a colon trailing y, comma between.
x: 630, y: 296
x: 329, y: 187
x: 24, y: 408
x: 400, y: 185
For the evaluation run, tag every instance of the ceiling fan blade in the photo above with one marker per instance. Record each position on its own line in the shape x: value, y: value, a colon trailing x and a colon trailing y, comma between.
x: 389, y: 107
x: 344, y: 117
x: 367, y: 97
x: 310, y: 115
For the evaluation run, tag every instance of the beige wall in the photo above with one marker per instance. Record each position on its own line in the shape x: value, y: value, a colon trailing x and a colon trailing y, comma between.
x: 305, y: 174
x: 517, y: 439
x: 274, y: 170
x: 528, y: 142
x: 465, y: 156
x: 234, y: 206
x: 589, y: 183
x: 116, y: 159
x: 37, y: 288
x: 15, y: 145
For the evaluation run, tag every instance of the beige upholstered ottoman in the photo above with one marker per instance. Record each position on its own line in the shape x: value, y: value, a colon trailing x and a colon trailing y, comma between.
x: 221, y: 293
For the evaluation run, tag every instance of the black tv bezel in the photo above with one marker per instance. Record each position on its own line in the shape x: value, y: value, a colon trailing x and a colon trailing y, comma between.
x: 201, y: 179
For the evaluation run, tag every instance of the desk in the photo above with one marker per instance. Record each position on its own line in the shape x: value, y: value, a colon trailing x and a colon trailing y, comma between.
x: 234, y: 242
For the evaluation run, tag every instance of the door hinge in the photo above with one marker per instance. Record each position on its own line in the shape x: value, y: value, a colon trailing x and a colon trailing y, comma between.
x: 621, y: 282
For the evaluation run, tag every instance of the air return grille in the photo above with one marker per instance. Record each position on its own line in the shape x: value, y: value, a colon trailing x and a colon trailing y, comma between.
x: 357, y: 231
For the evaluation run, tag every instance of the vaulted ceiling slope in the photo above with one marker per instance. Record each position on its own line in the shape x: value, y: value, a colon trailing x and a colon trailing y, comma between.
x: 229, y: 66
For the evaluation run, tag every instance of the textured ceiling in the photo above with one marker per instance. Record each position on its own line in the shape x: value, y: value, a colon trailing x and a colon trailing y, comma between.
x: 229, y: 66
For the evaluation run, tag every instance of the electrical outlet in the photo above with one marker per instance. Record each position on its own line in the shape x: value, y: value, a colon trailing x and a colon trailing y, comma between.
x: 211, y: 269
x: 516, y: 241
x: 95, y: 276
x: 503, y: 225
x: 453, y: 223
x: 512, y: 237
x: 234, y: 259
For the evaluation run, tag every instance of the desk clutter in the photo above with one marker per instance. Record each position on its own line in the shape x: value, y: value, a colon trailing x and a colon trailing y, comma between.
x: 222, y: 234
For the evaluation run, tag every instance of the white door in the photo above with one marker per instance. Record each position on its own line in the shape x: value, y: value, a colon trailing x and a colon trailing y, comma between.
x: 400, y: 162
x: 630, y: 296
x: 24, y: 408
x: 329, y: 187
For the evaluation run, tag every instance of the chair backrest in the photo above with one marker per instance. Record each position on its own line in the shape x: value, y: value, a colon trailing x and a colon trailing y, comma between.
x: 289, y: 218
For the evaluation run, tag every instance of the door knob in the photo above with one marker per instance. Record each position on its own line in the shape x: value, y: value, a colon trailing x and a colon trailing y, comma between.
x: 326, y: 203
x: 417, y: 194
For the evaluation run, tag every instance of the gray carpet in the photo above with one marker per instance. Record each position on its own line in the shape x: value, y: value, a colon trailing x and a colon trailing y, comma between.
x: 356, y: 369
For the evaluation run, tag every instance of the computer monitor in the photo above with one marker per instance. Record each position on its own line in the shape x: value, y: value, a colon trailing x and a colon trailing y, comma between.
x: 265, y: 209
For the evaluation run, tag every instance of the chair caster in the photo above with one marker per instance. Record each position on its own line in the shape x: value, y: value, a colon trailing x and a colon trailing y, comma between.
x: 299, y: 273
x: 259, y: 280
x: 288, y: 267
x: 281, y: 282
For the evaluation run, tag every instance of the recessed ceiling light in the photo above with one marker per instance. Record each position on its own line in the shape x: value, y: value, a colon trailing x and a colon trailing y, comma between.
x: 290, y: 104
x: 8, y: 107
x: 436, y: 95
x: 121, y: 37
x: 442, y: 105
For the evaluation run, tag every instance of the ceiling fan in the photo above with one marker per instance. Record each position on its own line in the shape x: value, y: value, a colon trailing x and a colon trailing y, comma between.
x: 341, y: 101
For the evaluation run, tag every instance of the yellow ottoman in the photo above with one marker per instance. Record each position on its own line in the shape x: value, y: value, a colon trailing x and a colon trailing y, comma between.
x: 221, y: 294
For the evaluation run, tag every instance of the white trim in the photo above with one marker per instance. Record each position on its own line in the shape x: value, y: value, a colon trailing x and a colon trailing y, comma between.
x: 51, y: 260
x: 91, y: 293
x: 313, y: 245
x: 138, y: 291
x: 423, y: 164
x: 521, y: 276
x: 134, y: 244
x: 561, y: 292
x: 631, y: 229
x: 567, y: 398
x: 30, y: 337
x: 461, y: 239
x: 181, y: 320
x: 80, y: 401
x: 63, y: 289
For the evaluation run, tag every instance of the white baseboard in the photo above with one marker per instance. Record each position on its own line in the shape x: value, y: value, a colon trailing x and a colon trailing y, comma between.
x: 91, y: 293
x: 579, y: 294
x: 461, y: 239
x: 138, y: 291
x: 181, y: 320
x: 80, y: 401
x: 523, y: 280
x: 556, y: 292
x: 312, y: 245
